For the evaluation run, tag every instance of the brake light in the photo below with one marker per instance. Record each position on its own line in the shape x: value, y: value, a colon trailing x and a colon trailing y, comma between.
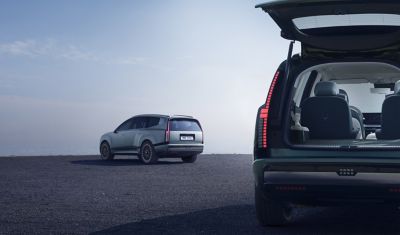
x: 265, y: 111
x: 394, y: 190
x: 167, y: 132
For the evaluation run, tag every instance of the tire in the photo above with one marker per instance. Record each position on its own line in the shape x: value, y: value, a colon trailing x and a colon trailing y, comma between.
x: 270, y: 212
x: 189, y: 159
x: 105, y: 152
x: 147, y: 153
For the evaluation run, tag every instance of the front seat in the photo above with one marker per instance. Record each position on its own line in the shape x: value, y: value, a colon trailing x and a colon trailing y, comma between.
x: 327, y: 115
x: 390, y: 116
x: 356, y: 114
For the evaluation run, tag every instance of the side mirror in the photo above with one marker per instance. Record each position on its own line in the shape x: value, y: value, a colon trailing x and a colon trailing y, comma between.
x: 116, y: 131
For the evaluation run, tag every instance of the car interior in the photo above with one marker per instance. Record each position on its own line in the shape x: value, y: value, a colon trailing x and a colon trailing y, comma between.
x: 349, y: 104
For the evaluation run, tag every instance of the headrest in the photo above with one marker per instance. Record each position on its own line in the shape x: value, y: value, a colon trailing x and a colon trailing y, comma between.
x: 326, y: 88
x: 343, y: 94
x: 397, y: 88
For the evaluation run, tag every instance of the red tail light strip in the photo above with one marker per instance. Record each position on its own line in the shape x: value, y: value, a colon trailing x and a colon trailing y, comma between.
x: 265, y: 110
x: 290, y: 188
x: 394, y: 190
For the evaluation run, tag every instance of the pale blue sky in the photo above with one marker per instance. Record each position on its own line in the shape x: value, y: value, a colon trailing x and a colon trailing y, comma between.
x: 72, y: 70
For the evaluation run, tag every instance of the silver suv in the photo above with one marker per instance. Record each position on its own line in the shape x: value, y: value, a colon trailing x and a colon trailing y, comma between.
x: 154, y: 136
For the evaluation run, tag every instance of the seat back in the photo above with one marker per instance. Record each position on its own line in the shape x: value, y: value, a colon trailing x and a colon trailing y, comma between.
x: 355, y: 112
x: 327, y: 115
x: 391, y: 115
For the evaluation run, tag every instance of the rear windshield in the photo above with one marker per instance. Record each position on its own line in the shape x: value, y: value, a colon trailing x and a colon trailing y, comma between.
x: 184, y: 125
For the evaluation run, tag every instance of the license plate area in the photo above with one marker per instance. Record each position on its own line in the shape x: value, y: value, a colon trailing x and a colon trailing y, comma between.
x: 186, y: 137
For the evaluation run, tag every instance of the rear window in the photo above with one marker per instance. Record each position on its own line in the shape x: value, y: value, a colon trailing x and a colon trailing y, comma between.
x: 362, y: 96
x: 185, y: 125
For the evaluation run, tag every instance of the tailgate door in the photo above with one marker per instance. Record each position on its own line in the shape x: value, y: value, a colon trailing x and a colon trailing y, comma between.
x: 185, y: 131
x: 338, y: 25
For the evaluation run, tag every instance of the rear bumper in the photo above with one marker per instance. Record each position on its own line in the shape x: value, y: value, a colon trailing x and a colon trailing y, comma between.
x: 321, y: 188
x: 319, y: 184
x: 178, y: 150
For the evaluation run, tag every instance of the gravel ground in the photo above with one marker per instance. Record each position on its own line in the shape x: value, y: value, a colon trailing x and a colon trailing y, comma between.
x: 82, y: 195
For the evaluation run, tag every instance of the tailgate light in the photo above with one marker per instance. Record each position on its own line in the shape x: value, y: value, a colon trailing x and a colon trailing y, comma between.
x: 394, y: 190
x: 265, y: 111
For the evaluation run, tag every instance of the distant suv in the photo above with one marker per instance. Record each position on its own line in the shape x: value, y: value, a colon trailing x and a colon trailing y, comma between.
x: 329, y: 130
x: 155, y: 136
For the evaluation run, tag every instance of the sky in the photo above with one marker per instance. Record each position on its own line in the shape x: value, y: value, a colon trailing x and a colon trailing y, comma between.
x: 73, y: 70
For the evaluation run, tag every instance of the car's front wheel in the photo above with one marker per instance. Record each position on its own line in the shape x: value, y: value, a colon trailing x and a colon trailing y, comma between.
x: 147, y: 154
x: 189, y: 159
x: 105, y: 152
x: 270, y: 212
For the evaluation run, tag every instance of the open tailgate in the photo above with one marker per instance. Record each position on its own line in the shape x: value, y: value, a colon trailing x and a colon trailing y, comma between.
x: 338, y: 25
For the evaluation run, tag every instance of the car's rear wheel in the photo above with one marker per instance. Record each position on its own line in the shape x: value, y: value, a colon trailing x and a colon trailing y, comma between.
x: 105, y: 152
x: 189, y: 159
x: 147, y: 153
x: 271, y: 212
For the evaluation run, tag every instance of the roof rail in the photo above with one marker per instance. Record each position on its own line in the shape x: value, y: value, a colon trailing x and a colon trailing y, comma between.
x: 178, y: 115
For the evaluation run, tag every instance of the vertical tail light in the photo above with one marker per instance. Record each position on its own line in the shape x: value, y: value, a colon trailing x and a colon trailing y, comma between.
x: 265, y: 111
x: 167, y: 132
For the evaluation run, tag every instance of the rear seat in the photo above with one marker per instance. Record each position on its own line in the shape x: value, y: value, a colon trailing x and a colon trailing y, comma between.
x: 390, y: 116
x: 356, y: 114
x: 327, y: 115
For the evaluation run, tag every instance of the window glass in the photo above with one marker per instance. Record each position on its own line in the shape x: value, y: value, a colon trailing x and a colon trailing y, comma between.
x: 152, y: 121
x: 184, y: 125
x: 163, y: 123
x: 139, y: 123
x: 125, y: 125
x: 361, y: 97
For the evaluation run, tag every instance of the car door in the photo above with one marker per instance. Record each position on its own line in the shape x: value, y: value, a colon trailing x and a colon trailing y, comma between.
x: 120, y: 136
x: 339, y: 27
x: 137, y: 130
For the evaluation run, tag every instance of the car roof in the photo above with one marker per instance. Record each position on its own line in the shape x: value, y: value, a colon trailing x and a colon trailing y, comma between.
x: 151, y: 115
x: 165, y: 116
x: 181, y: 116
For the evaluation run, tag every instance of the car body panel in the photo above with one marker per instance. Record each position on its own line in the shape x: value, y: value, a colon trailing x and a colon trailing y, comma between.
x: 106, y: 137
x: 179, y: 150
x: 175, y: 137
x: 155, y: 136
x: 323, y: 181
x: 122, y: 140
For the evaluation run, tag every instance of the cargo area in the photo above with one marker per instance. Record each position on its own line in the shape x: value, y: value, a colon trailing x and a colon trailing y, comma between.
x: 346, y: 105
